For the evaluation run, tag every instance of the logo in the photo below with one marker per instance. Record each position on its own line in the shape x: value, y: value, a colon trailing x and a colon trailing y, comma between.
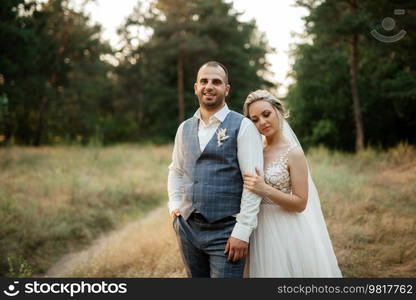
x: 389, y: 24
x: 69, y: 288
x: 11, y: 290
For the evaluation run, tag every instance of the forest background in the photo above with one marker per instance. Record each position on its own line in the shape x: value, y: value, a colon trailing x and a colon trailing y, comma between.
x: 86, y: 128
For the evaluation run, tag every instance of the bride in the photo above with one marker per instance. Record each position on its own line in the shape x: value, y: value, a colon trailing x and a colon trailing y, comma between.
x: 291, y: 238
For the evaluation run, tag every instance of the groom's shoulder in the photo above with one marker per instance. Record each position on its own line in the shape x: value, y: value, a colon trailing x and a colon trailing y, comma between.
x: 188, y: 121
x: 245, y: 122
x: 183, y: 124
x: 186, y: 124
x: 239, y: 118
x: 236, y: 114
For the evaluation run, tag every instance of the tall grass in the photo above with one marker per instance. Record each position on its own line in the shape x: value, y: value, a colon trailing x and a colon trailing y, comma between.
x: 55, y: 200
x: 143, y: 248
x: 369, y: 200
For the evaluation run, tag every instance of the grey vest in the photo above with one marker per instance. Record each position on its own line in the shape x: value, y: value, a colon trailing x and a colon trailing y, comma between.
x: 212, y: 180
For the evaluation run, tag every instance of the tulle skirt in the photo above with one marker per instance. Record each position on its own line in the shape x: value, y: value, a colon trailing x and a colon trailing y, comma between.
x: 287, y: 244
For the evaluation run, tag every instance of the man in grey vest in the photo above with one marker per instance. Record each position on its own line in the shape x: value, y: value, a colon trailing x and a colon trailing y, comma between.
x: 213, y: 213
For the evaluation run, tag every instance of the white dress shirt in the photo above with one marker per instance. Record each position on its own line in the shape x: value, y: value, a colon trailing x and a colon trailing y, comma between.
x: 249, y: 155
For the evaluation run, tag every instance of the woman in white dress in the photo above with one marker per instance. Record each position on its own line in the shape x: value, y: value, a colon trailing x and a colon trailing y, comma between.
x: 291, y: 238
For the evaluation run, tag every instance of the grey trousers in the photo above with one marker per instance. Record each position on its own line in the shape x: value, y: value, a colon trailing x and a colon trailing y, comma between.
x: 202, y: 246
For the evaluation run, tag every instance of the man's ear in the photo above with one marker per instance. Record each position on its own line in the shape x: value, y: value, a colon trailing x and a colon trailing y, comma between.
x: 195, y: 88
x: 227, y: 90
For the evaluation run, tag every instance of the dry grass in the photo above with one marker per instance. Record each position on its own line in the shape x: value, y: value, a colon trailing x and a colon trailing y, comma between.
x: 145, y: 248
x: 370, y: 207
x: 55, y: 200
x: 368, y: 200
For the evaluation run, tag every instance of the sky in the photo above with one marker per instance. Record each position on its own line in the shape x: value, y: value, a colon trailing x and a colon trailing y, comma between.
x: 278, y: 19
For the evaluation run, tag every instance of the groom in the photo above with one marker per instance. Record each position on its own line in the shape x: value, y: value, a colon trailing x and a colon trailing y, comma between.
x: 213, y: 214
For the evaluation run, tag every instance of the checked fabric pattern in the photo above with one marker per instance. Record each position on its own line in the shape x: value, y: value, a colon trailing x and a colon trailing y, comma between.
x: 212, y: 180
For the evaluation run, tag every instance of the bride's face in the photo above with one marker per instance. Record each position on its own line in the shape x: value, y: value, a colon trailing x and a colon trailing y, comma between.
x: 265, y: 117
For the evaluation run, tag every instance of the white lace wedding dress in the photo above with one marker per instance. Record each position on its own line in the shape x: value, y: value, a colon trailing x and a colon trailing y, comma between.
x: 290, y: 244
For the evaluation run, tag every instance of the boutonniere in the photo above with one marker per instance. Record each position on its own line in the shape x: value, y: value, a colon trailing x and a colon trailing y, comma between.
x: 221, y: 136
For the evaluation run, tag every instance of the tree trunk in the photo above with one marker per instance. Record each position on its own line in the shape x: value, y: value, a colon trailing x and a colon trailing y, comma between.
x: 8, y: 130
x: 139, y: 112
x: 41, y: 120
x: 7, y: 122
x: 181, y: 101
x: 359, y: 137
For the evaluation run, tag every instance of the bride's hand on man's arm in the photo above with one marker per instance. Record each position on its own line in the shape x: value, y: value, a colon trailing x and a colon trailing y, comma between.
x: 255, y: 183
x: 296, y: 201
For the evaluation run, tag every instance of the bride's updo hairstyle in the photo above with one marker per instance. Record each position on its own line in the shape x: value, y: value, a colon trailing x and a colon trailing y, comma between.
x: 265, y: 96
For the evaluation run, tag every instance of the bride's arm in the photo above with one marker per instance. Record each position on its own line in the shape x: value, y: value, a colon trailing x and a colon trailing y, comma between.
x: 298, y: 169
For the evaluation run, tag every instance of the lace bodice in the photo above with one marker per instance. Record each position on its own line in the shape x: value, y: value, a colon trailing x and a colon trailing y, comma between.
x: 277, y: 175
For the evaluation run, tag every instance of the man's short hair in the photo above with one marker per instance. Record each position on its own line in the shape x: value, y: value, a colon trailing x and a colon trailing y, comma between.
x: 213, y: 63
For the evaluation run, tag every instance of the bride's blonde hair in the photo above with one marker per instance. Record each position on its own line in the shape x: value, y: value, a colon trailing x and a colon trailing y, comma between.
x: 265, y: 96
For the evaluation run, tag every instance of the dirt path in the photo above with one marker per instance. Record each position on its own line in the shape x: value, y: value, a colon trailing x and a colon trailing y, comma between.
x: 142, y: 248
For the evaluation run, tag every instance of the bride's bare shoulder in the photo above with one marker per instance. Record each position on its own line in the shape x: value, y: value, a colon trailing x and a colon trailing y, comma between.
x: 296, y: 152
x: 295, y: 156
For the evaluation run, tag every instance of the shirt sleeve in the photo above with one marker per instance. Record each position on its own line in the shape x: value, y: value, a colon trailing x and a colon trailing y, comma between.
x: 175, y: 183
x: 250, y: 157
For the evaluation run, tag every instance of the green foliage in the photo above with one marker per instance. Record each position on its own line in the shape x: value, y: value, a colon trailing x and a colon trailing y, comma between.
x: 60, y: 89
x: 320, y: 100
x: 185, y: 35
x: 18, y: 267
x: 51, y: 71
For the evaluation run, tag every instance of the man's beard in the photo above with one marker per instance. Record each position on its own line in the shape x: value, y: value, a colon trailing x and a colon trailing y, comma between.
x: 212, y: 105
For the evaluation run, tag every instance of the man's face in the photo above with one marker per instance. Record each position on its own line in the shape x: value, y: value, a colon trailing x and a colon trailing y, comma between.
x: 211, y: 87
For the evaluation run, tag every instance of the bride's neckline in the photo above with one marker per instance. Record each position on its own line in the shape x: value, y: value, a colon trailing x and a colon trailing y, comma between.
x: 278, y: 149
x: 279, y: 154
